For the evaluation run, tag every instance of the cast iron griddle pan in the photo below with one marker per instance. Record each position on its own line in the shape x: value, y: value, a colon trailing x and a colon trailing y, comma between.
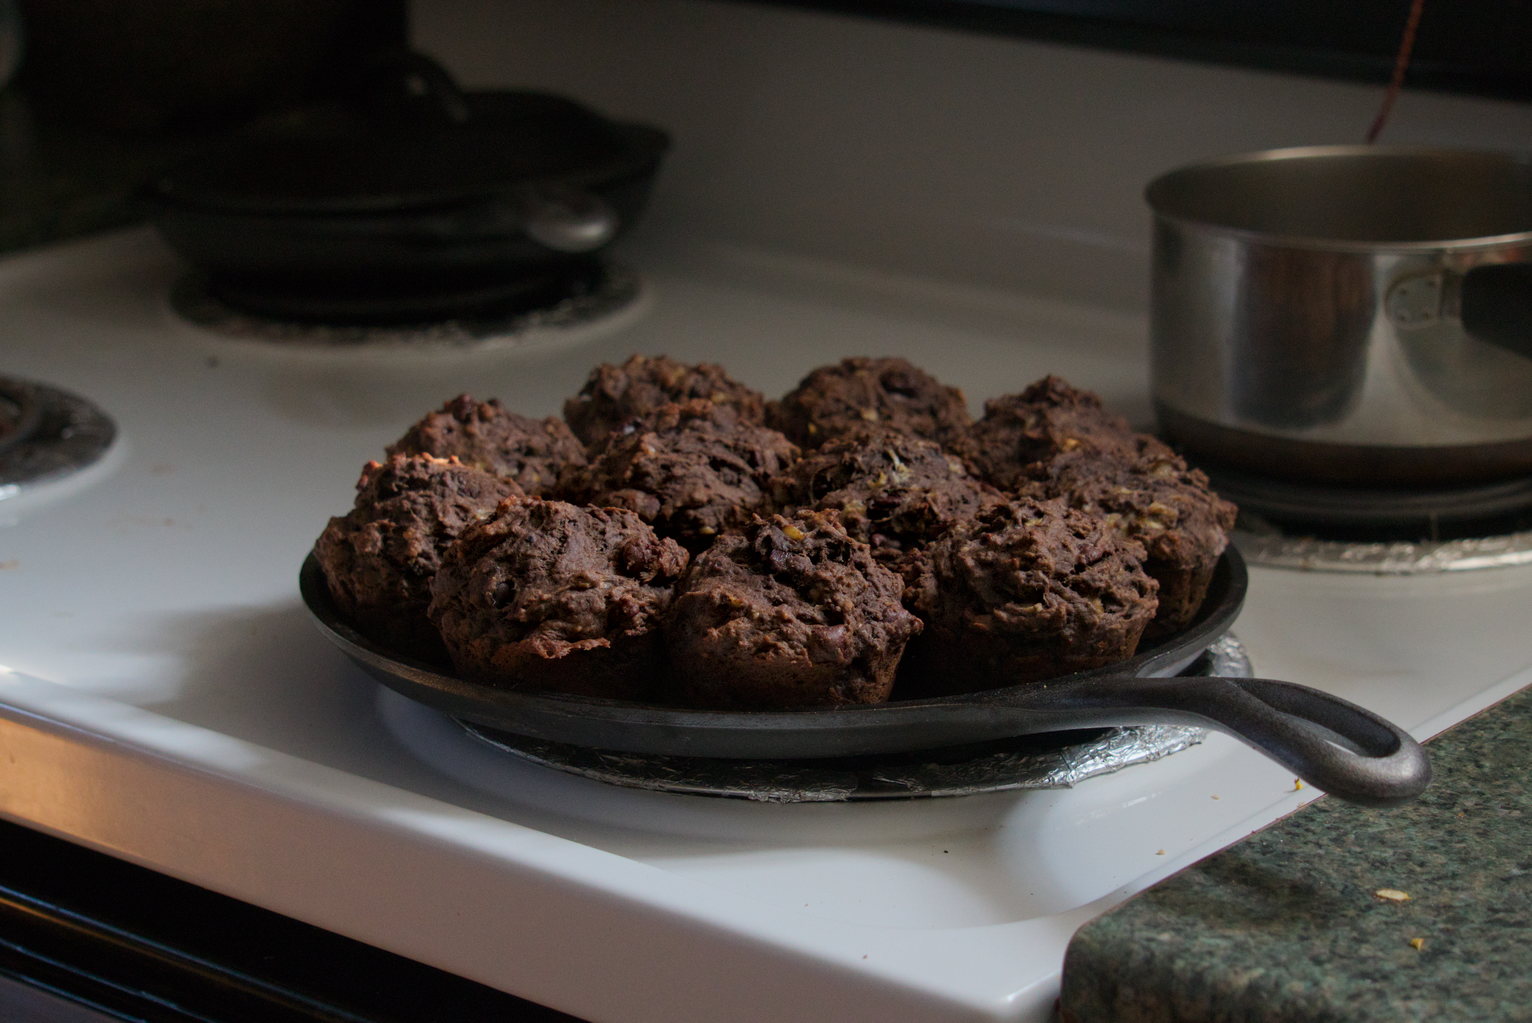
x: 1330, y: 743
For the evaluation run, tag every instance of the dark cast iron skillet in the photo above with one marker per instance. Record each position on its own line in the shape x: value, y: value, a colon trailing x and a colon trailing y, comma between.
x: 405, y: 198
x: 1330, y: 743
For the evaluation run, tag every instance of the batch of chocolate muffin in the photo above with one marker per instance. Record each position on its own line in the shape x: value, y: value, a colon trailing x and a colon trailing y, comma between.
x: 676, y: 538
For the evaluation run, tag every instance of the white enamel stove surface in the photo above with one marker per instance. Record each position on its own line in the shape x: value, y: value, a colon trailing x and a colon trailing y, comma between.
x: 165, y: 698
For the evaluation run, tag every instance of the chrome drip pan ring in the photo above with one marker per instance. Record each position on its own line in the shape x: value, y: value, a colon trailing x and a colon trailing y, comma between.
x: 47, y: 434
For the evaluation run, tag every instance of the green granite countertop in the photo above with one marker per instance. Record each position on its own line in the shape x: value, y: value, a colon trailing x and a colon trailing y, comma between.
x: 1341, y: 913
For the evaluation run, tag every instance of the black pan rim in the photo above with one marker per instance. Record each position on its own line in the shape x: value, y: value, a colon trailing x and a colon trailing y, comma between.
x: 510, y: 709
x: 637, y: 152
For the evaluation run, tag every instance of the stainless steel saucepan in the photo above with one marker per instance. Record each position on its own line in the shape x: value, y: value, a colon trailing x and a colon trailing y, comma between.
x: 1354, y: 314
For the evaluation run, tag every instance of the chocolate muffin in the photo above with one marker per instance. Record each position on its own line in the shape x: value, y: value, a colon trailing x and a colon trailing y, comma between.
x: 789, y: 612
x: 894, y: 491
x: 854, y: 392
x: 487, y: 436
x: 1026, y: 590
x: 1149, y: 494
x: 615, y: 394
x: 1048, y: 419
x: 692, y: 471
x: 380, y: 557
x: 553, y: 597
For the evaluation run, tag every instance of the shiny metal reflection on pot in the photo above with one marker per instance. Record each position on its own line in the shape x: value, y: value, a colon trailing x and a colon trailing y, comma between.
x: 1355, y: 314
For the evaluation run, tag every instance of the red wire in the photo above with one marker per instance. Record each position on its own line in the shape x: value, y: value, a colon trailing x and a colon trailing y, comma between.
x: 1401, y: 63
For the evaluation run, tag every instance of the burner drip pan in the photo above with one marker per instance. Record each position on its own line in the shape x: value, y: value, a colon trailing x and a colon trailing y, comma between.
x: 1057, y: 760
x: 47, y: 434
x: 520, y: 313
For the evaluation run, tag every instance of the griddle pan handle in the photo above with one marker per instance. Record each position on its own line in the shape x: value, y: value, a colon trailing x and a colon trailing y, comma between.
x: 1330, y: 743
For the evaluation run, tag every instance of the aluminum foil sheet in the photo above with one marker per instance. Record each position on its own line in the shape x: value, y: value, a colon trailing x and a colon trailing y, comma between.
x: 1386, y: 557
x: 615, y: 289
x: 1055, y: 760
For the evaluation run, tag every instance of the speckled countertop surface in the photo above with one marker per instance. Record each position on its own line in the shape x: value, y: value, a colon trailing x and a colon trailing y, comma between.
x: 1341, y: 913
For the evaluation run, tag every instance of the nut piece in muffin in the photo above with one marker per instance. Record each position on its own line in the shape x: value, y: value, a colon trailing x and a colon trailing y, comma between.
x: 553, y: 597
x: 1047, y: 419
x: 854, y: 392
x: 1026, y: 590
x: 790, y: 612
x: 615, y: 394
x: 487, y: 436
x: 380, y: 557
x: 894, y: 491
x: 1149, y: 494
x: 692, y: 471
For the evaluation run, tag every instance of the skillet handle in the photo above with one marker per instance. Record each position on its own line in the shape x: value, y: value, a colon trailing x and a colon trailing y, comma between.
x: 1330, y: 743
x: 566, y: 218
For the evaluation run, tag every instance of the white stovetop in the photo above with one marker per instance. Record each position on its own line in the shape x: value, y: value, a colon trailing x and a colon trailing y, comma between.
x: 165, y: 698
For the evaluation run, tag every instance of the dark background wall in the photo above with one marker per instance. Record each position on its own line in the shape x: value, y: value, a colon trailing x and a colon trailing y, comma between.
x: 181, y: 66
x: 1483, y: 47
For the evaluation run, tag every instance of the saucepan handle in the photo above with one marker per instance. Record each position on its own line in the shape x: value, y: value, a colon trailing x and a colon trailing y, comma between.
x: 1496, y: 305
x: 1492, y: 302
x: 1330, y: 743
